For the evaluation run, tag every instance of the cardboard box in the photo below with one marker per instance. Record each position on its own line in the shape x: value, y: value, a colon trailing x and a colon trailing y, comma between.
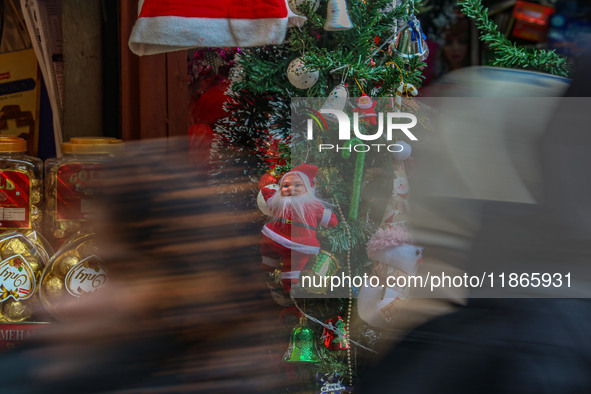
x: 13, y: 334
x: 19, y: 96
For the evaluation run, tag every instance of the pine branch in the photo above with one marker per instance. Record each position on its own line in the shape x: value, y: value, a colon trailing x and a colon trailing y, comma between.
x: 507, y: 53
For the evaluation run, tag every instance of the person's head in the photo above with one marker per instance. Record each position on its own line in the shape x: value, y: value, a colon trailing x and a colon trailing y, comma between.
x: 455, y: 47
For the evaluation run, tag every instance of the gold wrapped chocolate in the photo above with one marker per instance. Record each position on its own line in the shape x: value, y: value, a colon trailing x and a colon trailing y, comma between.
x: 52, y: 289
x: 14, y: 246
x: 36, y: 196
x: 66, y: 262
x: 15, y: 311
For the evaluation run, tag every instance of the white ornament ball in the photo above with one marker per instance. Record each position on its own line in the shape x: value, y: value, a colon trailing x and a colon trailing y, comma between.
x: 294, y: 5
x: 404, y: 153
x: 261, y: 200
x: 301, y: 76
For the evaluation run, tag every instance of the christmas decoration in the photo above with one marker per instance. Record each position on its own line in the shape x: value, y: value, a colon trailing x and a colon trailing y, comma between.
x: 298, y: 213
x: 296, y: 6
x: 324, y: 266
x: 337, y: 99
x: 332, y: 384
x: 337, y: 16
x: 336, y: 335
x: 261, y: 203
x: 404, y: 152
x: 302, y: 347
x: 267, y: 179
x: 366, y: 108
x: 394, y: 257
x: 301, y: 76
x: 410, y: 42
x: 173, y: 25
x: 506, y: 53
x: 346, y: 64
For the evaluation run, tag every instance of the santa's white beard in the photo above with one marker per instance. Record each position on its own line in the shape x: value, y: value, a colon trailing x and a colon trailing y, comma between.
x: 301, y: 207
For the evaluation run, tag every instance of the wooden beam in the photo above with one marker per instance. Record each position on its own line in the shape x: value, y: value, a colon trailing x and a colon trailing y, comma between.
x: 130, y: 103
x: 83, y: 100
x: 178, y: 94
x: 153, y: 91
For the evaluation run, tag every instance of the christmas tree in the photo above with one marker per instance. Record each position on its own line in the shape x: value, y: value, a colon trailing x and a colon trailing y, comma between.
x: 365, y: 49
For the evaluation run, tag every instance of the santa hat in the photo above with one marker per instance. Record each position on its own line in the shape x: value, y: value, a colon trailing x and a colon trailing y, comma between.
x: 307, y: 172
x: 386, y: 238
x: 172, y: 25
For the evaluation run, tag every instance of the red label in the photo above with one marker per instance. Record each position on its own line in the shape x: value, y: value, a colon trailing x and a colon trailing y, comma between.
x: 15, y: 189
x: 11, y: 335
x: 75, y: 194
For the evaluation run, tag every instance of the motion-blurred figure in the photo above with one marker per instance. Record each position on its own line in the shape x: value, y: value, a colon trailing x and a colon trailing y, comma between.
x: 185, y: 310
x: 497, y: 344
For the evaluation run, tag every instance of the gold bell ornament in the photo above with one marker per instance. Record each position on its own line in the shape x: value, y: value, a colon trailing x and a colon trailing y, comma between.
x: 302, y: 348
x: 337, y: 16
x: 411, y: 42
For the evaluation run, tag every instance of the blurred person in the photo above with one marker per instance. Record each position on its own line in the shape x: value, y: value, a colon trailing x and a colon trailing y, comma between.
x: 455, y: 49
x: 512, y: 345
x: 183, y: 309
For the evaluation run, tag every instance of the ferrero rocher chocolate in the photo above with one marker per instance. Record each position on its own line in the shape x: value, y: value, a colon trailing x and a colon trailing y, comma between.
x: 66, y: 262
x: 70, y: 182
x: 20, y: 271
x: 20, y: 186
x: 13, y: 246
x: 74, y: 271
x: 15, y: 311
x: 52, y: 289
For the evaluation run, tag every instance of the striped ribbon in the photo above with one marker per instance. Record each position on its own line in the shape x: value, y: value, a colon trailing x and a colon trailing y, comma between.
x: 403, y: 87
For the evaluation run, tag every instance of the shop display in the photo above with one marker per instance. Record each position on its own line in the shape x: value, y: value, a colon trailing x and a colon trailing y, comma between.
x: 21, y: 186
x: 74, y: 271
x: 70, y: 200
x: 20, y: 271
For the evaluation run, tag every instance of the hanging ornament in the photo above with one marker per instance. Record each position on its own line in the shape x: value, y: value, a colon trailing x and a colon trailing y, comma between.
x: 267, y: 179
x: 337, y: 16
x: 337, y: 99
x: 325, y: 266
x: 262, y: 204
x: 301, y: 76
x: 337, y: 336
x: 332, y: 384
x: 366, y: 107
x: 302, y: 348
x: 296, y: 6
x: 410, y: 42
x: 402, y: 88
x: 404, y: 153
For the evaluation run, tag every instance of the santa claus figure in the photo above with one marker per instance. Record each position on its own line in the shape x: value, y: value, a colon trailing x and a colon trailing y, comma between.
x: 366, y: 108
x: 296, y: 212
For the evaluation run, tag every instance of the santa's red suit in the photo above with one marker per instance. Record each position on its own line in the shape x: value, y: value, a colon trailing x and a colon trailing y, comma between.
x: 366, y: 107
x: 293, y: 239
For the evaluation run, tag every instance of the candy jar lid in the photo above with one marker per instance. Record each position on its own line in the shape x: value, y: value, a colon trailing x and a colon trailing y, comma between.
x: 92, y: 145
x: 11, y: 144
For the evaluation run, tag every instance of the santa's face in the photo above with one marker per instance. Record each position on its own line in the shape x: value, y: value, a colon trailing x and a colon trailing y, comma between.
x: 292, y: 185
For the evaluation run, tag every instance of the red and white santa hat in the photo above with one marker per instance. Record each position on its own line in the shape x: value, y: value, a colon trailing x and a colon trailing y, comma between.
x: 172, y: 25
x: 307, y: 172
